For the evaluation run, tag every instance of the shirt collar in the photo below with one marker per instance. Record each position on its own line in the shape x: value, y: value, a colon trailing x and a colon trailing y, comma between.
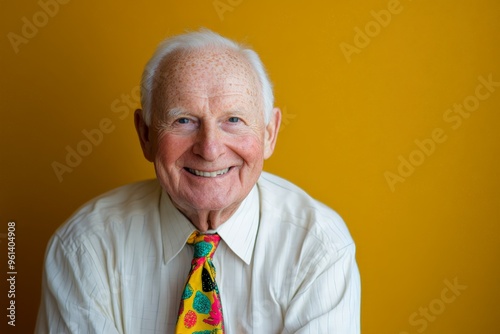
x: 175, y: 228
x: 238, y: 232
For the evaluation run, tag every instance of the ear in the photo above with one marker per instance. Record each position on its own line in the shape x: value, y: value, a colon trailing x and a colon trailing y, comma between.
x: 271, y: 132
x: 143, y: 131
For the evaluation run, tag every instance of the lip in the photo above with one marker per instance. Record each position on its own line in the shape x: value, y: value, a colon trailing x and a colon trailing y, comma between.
x: 208, y: 174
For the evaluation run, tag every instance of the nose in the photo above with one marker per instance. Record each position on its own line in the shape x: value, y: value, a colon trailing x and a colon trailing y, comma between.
x: 209, y: 142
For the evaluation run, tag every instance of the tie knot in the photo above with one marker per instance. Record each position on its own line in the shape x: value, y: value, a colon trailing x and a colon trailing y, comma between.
x: 204, y: 244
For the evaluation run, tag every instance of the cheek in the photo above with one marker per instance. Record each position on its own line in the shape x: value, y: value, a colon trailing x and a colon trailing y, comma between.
x: 251, y: 149
x: 170, y: 149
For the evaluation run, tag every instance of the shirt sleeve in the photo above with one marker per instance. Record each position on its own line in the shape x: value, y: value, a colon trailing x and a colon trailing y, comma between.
x: 327, y: 300
x: 75, y: 292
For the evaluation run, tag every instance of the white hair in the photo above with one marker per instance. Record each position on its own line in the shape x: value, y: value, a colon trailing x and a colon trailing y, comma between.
x: 198, y: 40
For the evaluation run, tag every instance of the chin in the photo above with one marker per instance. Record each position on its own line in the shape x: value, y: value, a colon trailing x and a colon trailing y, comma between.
x: 214, y: 205
x: 214, y: 202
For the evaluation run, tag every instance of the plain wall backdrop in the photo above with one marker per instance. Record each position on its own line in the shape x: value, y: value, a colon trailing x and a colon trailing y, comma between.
x: 391, y: 115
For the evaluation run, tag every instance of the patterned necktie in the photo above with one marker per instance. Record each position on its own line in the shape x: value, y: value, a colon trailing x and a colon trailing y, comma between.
x: 200, y: 311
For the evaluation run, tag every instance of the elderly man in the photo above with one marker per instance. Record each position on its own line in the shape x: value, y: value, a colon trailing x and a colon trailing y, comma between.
x: 214, y: 244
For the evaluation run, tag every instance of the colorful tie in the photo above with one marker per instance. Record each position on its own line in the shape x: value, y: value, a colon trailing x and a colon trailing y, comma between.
x: 200, y: 311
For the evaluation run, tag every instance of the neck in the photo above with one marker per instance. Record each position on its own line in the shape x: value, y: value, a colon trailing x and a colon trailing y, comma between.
x: 205, y: 220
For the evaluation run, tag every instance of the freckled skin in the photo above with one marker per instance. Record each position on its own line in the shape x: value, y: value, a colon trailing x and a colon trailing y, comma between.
x: 208, y: 116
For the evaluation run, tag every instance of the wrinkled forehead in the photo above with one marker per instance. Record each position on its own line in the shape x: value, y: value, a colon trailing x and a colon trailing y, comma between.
x: 208, y: 71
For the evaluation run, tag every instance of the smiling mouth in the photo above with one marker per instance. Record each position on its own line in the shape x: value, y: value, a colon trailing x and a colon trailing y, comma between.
x: 208, y: 174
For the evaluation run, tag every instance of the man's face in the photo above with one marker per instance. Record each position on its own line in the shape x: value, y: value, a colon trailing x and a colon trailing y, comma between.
x: 208, y: 139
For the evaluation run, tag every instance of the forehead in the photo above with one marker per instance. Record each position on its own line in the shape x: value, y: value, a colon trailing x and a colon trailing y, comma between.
x: 208, y: 71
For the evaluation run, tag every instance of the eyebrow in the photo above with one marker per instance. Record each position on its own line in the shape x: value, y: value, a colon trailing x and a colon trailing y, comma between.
x: 175, y: 112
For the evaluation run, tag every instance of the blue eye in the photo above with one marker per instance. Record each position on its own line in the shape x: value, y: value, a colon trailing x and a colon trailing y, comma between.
x: 234, y: 119
x: 183, y: 120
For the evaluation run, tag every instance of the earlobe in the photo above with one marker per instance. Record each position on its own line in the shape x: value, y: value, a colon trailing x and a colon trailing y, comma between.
x: 143, y: 132
x: 271, y: 135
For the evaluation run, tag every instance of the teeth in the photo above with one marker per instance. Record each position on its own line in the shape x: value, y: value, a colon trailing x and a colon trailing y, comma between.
x: 208, y: 174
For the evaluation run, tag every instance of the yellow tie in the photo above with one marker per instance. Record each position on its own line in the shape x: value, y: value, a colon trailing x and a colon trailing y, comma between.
x: 200, y: 311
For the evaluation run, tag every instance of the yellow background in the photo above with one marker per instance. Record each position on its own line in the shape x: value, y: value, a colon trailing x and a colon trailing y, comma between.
x: 346, y: 123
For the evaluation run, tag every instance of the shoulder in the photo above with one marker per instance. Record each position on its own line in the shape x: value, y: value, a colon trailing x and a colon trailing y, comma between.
x: 290, y: 209
x: 110, y: 212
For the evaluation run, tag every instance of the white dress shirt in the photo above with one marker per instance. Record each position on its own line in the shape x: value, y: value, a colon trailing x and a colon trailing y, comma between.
x: 285, y: 264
